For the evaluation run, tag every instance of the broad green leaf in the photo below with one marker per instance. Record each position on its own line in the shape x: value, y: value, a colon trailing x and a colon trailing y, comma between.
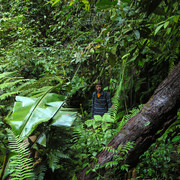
x: 64, y: 118
x: 96, y: 124
x: 98, y: 40
x: 146, y: 124
x: 132, y: 59
x: 178, y: 149
x: 105, y: 126
x: 166, y: 24
x: 141, y: 62
x: 89, y: 122
x: 97, y: 118
x: 28, y: 113
x: 107, y: 118
x: 67, y: 17
x: 158, y: 28
x: 114, y: 49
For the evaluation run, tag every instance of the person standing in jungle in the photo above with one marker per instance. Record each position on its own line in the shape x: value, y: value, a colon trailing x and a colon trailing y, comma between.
x: 101, y: 101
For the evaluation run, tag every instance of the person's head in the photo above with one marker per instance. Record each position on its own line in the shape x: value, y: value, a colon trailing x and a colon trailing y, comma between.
x: 98, y: 87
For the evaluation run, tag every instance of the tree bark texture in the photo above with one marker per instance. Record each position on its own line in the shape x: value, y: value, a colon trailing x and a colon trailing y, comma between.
x: 144, y: 128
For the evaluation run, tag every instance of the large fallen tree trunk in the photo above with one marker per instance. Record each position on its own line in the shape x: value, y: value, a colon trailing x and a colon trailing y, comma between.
x: 144, y: 128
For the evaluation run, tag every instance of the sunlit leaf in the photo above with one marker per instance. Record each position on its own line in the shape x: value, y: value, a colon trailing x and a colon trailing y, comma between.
x: 28, y: 113
x: 158, y: 28
x: 166, y: 24
x: 64, y: 118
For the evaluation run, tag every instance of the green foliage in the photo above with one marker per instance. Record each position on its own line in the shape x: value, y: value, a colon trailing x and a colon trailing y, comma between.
x: 28, y: 113
x: 160, y: 162
x: 125, y: 118
x: 119, y: 155
x: 118, y: 93
x: 162, y: 156
x: 20, y: 164
x: 54, y: 158
x: 40, y: 172
x: 89, y: 138
x: 93, y: 136
x: 8, y: 84
x: 116, y: 164
x: 130, y: 45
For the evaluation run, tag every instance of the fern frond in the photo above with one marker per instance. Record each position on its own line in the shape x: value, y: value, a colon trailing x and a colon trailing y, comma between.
x: 116, y: 97
x: 40, y: 172
x: 27, y: 84
x: 39, y: 92
x: 111, y: 164
x: 10, y: 84
x: 6, y: 74
x: 109, y: 149
x: 61, y: 155
x: 8, y: 94
x: 125, y: 118
x: 20, y: 163
x: 54, y: 159
x: 124, y: 149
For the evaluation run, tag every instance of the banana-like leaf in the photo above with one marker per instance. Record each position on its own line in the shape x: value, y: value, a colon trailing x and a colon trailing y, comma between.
x: 64, y: 118
x: 28, y: 113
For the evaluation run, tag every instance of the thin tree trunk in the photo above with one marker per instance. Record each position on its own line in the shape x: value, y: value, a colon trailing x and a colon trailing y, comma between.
x: 144, y: 128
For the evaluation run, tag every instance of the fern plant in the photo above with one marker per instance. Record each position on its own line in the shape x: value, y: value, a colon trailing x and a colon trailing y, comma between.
x: 125, y: 118
x: 54, y: 158
x: 11, y: 85
x: 40, y: 171
x: 8, y: 83
x: 116, y: 97
x: 116, y: 164
x: 20, y: 162
x: 119, y: 154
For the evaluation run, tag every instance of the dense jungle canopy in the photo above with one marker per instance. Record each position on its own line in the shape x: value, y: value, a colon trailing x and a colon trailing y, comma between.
x: 53, y: 52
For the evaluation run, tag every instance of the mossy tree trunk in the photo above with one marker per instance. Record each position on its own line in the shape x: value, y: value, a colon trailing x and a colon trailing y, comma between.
x: 149, y: 124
